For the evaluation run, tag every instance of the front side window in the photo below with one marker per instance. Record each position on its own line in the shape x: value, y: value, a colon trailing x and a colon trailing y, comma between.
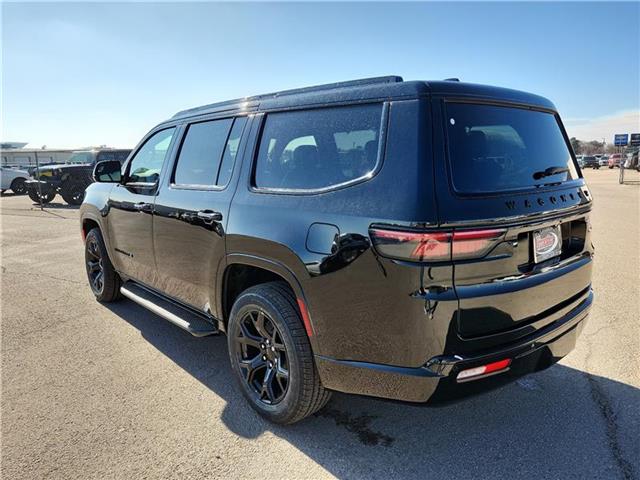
x: 320, y: 148
x: 495, y: 148
x: 147, y: 163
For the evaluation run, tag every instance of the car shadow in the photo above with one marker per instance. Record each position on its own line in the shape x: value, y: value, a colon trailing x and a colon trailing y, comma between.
x: 560, y: 423
x: 56, y: 206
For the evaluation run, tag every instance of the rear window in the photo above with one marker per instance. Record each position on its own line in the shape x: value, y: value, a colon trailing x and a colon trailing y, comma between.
x: 320, y: 148
x: 503, y: 148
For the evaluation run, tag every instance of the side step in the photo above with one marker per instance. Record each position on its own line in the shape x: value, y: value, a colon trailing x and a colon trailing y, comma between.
x: 194, y: 323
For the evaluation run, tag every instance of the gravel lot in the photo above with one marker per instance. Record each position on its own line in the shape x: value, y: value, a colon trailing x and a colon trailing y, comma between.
x: 93, y: 391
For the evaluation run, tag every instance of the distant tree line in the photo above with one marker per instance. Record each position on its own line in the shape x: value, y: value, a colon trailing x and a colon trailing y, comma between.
x: 590, y: 148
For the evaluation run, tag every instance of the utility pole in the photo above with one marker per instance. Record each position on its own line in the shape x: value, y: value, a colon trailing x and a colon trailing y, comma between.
x: 38, y: 180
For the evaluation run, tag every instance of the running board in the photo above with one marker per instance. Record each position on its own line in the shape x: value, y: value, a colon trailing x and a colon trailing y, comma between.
x: 188, y: 320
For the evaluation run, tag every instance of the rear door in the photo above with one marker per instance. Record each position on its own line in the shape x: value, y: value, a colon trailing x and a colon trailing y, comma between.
x: 511, y: 186
x: 191, y: 210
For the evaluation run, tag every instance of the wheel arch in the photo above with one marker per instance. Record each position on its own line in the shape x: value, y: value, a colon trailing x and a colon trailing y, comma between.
x: 254, y: 270
x: 89, y: 221
x: 18, y: 178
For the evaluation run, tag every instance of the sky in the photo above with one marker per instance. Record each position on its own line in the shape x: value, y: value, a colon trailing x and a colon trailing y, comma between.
x: 77, y: 74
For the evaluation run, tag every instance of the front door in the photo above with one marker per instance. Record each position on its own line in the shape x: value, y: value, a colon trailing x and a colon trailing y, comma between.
x: 191, y: 211
x: 131, y: 207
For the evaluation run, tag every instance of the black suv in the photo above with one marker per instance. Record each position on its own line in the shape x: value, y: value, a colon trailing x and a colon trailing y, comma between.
x: 69, y: 179
x: 417, y: 241
x: 589, y: 161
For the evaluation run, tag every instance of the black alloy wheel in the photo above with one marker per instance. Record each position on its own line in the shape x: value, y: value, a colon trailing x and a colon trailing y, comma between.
x: 46, y: 195
x: 73, y: 192
x: 262, y: 357
x: 271, y: 354
x: 104, y: 280
x: 18, y: 186
x: 95, y: 267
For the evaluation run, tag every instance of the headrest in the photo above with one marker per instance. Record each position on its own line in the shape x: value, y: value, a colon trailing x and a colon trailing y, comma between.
x: 305, y: 155
x: 477, y: 143
x: 371, y: 150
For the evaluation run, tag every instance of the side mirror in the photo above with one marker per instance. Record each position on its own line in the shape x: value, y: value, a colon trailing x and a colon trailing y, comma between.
x: 107, y: 172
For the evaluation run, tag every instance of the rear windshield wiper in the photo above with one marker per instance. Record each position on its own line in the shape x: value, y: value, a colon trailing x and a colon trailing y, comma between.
x: 549, y: 171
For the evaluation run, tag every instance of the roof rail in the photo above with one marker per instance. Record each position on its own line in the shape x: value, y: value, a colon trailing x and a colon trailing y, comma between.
x: 452, y: 79
x: 295, y: 91
x: 330, y: 86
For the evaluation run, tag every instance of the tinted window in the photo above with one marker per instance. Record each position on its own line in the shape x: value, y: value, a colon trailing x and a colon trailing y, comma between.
x: 81, y: 157
x: 499, y: 148
x: 104, y: 156
x: 147, y: 162
x: 230, y: 151
x: 318, y: 148
x: 119, y: 155
x: 122, y: 156
x: 201, y: 152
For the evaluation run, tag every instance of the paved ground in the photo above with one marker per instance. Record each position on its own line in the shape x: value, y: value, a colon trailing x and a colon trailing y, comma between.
x: 96, y: 392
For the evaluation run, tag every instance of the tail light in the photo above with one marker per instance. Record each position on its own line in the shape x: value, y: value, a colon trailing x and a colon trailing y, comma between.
x: 434, y: 246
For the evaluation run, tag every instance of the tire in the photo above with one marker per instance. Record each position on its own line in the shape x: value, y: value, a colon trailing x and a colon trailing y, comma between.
x: 103, y: 278
x: 294, y: 396
x: 46, y: 197
x: 72, y: 192
x: 18, y: 186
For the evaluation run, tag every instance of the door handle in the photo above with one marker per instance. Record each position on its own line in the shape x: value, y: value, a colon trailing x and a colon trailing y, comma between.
x: 142, y: 207
x: 209, y: 216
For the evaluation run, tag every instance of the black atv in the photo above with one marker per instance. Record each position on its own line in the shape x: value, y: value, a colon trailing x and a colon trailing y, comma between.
x: 69, y: 179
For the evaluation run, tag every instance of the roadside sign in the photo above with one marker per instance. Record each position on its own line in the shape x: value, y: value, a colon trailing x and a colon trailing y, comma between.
x: 635, y: 140
x: 621, y: 139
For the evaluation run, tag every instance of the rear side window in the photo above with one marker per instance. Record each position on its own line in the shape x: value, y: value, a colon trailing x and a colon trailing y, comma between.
x: 208, y: 152
x: 495, y: 148
x: 320, y: 148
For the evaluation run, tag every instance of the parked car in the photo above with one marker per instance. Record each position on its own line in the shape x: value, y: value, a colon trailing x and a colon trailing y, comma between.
x: 372, y: 237
x: 69, y: 179
x: 589, y: 161
x: 13, y: 179
x: 579, y: 160
x: 603, y: 161
x: 614, y: 160
x: 631, y: 160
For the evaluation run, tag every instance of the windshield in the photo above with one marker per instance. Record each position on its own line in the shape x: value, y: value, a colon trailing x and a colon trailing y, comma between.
x: 81, y: 157
x: 495, y: 148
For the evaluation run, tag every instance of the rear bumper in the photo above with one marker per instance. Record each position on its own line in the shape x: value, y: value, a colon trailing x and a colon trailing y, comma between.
x: 436, y: 383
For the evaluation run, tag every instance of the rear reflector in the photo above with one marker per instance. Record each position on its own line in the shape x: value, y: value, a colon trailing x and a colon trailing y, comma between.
x: 305, y: 317
x: 434, y: 246
x: 477, y: 372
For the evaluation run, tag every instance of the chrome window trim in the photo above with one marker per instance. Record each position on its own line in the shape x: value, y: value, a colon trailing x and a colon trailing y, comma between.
x: 384, y: 125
